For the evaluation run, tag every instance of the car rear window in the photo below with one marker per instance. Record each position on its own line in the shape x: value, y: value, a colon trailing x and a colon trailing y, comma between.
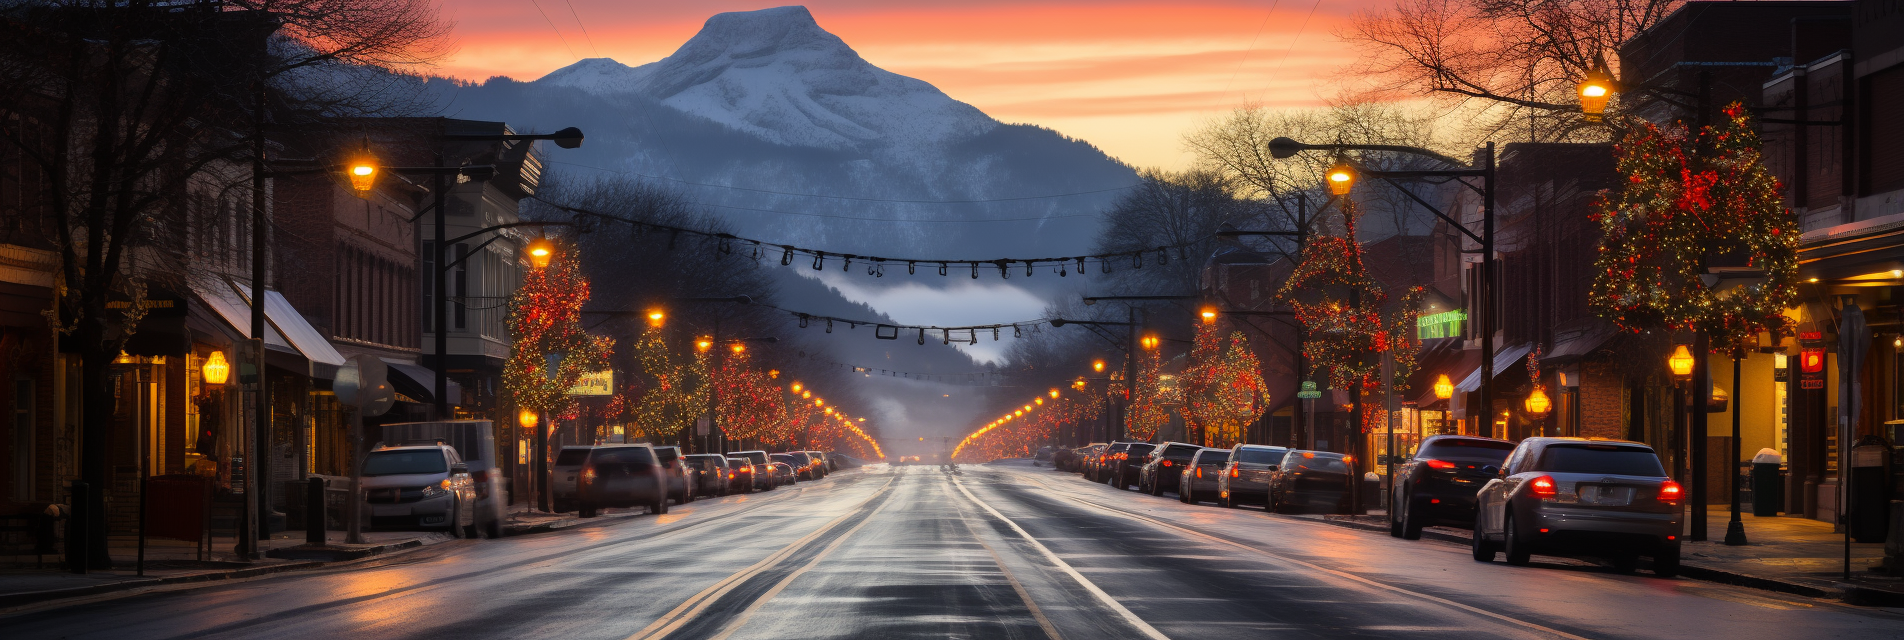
x: 571, y: 457
x: 1254, y: 455
x: 1181, y: 451
x: 1613, y: 460
x: 1141, y: 449
x: 1319, y: 463
x: 1214, y: 456
x: 1467, y: 449
x: 625, y: 455
x: 391, y: 463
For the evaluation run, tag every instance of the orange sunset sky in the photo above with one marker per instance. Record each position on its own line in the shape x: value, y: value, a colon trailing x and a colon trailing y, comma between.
x: 1128, y: 76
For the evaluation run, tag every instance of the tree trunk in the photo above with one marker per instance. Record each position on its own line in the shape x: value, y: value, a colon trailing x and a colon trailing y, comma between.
x: 96, y: 412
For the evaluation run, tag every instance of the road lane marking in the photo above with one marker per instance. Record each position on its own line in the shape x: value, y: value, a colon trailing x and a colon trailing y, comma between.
x: 739, y: 620
x: 1315, y: 567
x: 1149, y: 631
x: 684, y: 613
x: 1051, y: 630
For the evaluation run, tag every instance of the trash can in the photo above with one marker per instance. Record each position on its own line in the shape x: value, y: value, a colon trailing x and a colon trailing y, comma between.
x: 1768, y: 483
x: 1870, y: 489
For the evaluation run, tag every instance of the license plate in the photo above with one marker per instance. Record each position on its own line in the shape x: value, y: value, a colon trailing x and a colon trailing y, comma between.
x: 1602, y: 495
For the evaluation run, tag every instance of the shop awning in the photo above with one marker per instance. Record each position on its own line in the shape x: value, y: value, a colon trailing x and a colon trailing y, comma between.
x: 419, y: 383
x: 1504, y: 360
x: 285, y: 329
x: 1576, y: 343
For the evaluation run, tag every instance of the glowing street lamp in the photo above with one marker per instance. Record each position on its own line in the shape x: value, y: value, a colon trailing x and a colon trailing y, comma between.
x: 1209, y: 315
x: 1341, y: 177
x: 796, y: 387
x: 1681, y: 362
x: 541, y: 252
x: 1054, y: 394
x: 703, y: 344
x: 1098, y: 366
x: 739, y: 348
x: 1148, y: 342
x: 363, y: 175
x: 656, y: 318
x: 1537, y: 402
x: 1595, y: 90
x: 216, y: 370
x: 1444, y: 388
x: 527, y: 418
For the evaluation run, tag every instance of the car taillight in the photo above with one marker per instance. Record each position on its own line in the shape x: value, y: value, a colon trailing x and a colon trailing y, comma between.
x: 1542, y: 487
x: 1166, y: 463
x: 1438, y: 464
x: 730, y: 475
x: 1234, y: 474
x: 1199, y: 473
x: 1669, y: 492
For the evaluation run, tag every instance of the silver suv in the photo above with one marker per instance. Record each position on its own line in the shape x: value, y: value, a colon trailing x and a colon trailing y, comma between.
x: 1576, y: 495
x: 424, y: 485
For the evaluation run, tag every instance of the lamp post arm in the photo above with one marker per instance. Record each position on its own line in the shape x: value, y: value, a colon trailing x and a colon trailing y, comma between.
x: 1431, y: 209
x: 510, y: 225
x: 1285, y: 147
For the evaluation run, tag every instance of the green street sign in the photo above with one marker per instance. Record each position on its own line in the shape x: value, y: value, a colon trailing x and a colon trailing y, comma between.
x: 1308, y: 391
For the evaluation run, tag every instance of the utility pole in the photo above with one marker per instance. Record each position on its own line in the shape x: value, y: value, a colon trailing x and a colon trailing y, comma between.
x: 254, y: 526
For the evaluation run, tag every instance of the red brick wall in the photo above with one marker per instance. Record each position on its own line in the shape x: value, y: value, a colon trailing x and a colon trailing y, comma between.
x: 1602, y: 403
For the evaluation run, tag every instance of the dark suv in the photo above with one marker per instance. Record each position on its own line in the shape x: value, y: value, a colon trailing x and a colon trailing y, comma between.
x: 1163, y: 468
x: 589, y: 479
x: 1438, y: 484
x: 1123, y: 470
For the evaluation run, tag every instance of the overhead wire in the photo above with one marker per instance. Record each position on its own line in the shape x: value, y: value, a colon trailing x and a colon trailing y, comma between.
x: 851, y: 198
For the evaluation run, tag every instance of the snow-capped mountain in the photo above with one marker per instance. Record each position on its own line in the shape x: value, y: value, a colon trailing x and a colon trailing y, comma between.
x: 776, y: 74
x: 769, y: 121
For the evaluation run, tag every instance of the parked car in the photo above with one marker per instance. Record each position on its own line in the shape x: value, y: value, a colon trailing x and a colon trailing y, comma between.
x: 1101, y: 465
x: 710, y: 473
x: 1198, y: 482
x: 796, y: 464
x: 1089, y: 457
x: 763, y: 468
x: 589, y: 479
x: 475, y: 444
x: 824, y: 466
x: 1580, y: 496
x: 419, y: 486
x: 1164, y: 466
x: 804, y: 466
x: 1245, y: 478
x: 1437, y: 485
x: 1044, y: 453
x: 1063, y: 459
x: 782, y: 473
x: 679, y: 489
x: 1123, y: 471
x: 1311, y: 480
x: 740, y: 475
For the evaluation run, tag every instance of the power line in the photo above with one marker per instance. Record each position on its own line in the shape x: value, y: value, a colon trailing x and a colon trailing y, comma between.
x: 558, y: 31
x: 852, y: 198
x: 579, y: 23
x: 841, y: 217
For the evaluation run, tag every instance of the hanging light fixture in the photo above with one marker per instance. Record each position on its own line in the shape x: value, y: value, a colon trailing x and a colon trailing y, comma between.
x: 1444, y: 388
x: 1595, y: 90
x: 362, y: 171
x: 216, y: 370
x: 541, y: 252
x: 527, y: 418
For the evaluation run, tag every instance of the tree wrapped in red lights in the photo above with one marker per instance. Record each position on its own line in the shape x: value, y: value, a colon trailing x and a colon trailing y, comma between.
x: 748, y: 401
x: 677, y: 389
x: 1340, y: 306
x: 1019, y: 434
x: 550, y: 350
x: 1223, y: 388
x: 1679, y: 214
x: 1151, y: 398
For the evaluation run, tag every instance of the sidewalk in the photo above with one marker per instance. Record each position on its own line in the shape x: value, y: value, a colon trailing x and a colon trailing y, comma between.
x: 176, y: 562
x: 1787, y: 554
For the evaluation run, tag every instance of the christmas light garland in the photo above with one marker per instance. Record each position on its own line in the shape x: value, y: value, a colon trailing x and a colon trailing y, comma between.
x: 876, y: 266
x: 1223, y: 388
x: 549, y: 351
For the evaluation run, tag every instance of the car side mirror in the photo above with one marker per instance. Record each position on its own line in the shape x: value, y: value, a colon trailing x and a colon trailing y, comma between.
x: 1493, y: 470
x: 460, y: 468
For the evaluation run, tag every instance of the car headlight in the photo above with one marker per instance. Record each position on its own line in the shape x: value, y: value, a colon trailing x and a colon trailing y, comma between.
x: 434, y: 490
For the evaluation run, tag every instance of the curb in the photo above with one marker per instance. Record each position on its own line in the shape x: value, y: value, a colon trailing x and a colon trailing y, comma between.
x: 326, y: 553
x: 1860, y: 596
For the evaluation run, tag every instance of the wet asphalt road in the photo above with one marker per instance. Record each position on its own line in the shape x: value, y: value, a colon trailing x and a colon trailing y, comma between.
x: 1001, y: 551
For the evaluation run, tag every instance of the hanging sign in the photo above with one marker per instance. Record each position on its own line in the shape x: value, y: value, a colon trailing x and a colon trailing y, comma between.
x: 1811, y: 360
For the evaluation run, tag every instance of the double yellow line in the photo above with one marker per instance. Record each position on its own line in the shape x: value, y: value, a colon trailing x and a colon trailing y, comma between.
x: 694, y: 606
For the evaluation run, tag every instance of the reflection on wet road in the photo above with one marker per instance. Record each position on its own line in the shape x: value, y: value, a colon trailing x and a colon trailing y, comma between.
x: 999, y: 551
